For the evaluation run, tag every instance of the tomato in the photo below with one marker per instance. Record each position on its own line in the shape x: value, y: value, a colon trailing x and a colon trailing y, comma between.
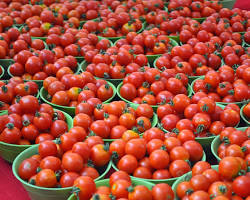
x: 119, y: 175
x: 136, y: 147
x: 100, y: 155
x: 140, y: 192
x: 82, y: 120
x: 199, y: 195
x: 178, y: 168
x: 194, y: 149
x: 162, y: 191
x: 29, y: 131
x: 47, y: 148
x: 239, y: 186
x: 29, y: 104
x: 128, y: 163
x: 180, y: 102
x: 86, y: 185
x: 11, y: 134
x: 229, y: 167
x: 219, y: 188
x: 159, y: 159
x: 128, y: 91
x: 58, y: 128
x: 230, y: 117
x: 67, y: 179
x: 46, y: 178
x: 169, y: 121
x: 199, y: 182
x: 206, y: 105
x: 27, y: 168
x: 72, y: 162
x: 50, y: 162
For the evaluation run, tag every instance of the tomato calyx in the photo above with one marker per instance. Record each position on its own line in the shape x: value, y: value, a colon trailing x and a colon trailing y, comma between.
x: 90, y: 163
x: 38, y: 169
x: 189, y: 192
x: 115, y: 156
x: 205, y: 108
x: 26, y: 123
x: 242, y: 172
x: 91, y: 133
x: 10, y: 126
x: 130, y: 189
x: 222, y: 189
x: 4, y: 89
x: 96, y: 197
x: 200, y: 128
x: 32, y: 181
x: 176, y: 131
x: 76, y: 191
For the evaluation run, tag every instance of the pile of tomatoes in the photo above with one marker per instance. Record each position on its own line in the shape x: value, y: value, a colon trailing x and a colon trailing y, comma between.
x: 60, y: 164
x: 121, y: 186
x: 221, y: 184
x: 70, y: 89
x: 156, y: 157
x: 114, y: 120
x: 73, y: 52
x: 12, y: 90
x: 153, y: 86
x: 28, y: 122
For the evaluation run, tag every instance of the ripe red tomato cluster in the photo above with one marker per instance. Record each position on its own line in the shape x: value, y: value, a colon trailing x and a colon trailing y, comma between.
x: 114, y: 120
x: 148, y: 42
x: 196, y: 117
x: 122, y: 187
x: 116, y: 63
x: 39, y: 65
x: 234, y: 143
x: 12, y: 42
x: 194, y: 9
x: 61, y: 164
x: 225, y: 85
x: 207, y: 181
x: 28, y: 122
x: 153, y: 86
x: 70, y: 89
x: 156, y: 157
x: 12, y: 90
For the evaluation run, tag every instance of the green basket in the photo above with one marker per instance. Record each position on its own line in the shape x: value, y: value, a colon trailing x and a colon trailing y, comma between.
x: 216, y: 143
x: 243, y: 116
x: 228, y: 4
x: 1, y: 75
x: 116, y: 82
x: 40, y: 82
x: 67, y: 109
x: 153, y: 106
x: 186, y: 177
x: 174, y: 37
x: 221, y: 103
x: 169, y: 181
x: 40, y: 193
x: 5, y: 63
x: 41, y: 38
x: 10, y: 151
x: 154, y: 122
x: 105, y: 182
x: 201, y: 19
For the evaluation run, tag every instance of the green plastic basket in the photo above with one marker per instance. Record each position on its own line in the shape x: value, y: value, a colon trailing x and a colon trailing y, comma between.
x: 243, y: 116
x: 174, y: 37
x: 216, y: 143
x: 5, y: 63
x: 10, y: 151
x: 105, y: 182
x: 40, y: 82
x: 221, y: 103
x: 116, y: 82
x: 153, y: 106
x: 154, y: 122
x: 186, y: 177
x: 169, y: 181
x: 228, y: 4
x: 1, y: 75
x: 40, y: 193
x: 67, y: 109
x: 201, y: 19
x: 41, y: 38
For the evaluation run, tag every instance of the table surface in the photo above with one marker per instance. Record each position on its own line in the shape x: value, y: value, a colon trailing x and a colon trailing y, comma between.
x: 11, y: 188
